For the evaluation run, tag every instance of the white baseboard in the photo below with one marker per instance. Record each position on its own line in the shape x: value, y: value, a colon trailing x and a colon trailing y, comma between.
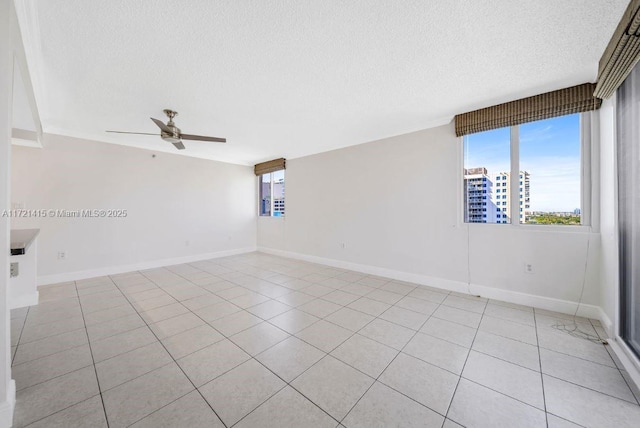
x: 548, y: 303
x: 6, y: 408
x: 113, y: 270
x: 22, y: 301
x: 629, y: 361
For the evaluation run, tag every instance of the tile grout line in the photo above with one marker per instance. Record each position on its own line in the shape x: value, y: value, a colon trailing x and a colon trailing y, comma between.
x: 544, y: 396
x: 95, y: 371
x: 464, y: 365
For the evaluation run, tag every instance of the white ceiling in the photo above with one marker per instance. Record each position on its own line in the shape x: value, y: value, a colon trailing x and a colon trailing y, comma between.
x: 289, y: 78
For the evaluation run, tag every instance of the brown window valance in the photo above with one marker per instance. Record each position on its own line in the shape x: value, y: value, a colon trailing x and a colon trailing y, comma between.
x: 622, y: 52
x: 270, y: 166
x: 551, y: 104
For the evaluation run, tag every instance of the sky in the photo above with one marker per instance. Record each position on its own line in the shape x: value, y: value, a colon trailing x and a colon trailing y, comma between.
x: 549, y: 151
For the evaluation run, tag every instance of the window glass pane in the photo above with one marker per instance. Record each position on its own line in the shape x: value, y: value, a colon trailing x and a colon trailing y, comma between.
x: 265, y: 194
x: 278, y: 193
x: 486, y: 157
x: 550, y: 171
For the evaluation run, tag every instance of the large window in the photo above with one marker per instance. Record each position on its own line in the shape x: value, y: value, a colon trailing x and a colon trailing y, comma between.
x: 272, y: 194
x: 529, y: 173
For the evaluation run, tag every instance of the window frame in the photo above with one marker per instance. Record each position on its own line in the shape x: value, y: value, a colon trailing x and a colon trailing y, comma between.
x: 271, y: 198
x: 586, y: 194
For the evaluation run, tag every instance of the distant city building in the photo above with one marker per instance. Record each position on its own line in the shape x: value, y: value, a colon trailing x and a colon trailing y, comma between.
x: 488, y: 196
x: 278, y: 198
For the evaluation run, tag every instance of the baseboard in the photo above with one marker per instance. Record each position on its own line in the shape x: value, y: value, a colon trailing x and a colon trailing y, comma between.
x: 548, y: 303
x: 6, y: 408
x: 22, y: 301
x: 629, y: 361
x: 113, y: 270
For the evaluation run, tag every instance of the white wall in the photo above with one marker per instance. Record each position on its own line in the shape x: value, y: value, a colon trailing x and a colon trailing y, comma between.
x: 396, y: 204
x: 170, y: 199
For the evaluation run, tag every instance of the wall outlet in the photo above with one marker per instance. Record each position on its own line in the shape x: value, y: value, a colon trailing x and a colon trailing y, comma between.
x: 15, y: 270
x: 343, y: 245
x: 528, y: 268
x: 62, y: 255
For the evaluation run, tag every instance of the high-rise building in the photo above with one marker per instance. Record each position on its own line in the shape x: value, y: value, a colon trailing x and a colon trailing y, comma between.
x: 488, y: 196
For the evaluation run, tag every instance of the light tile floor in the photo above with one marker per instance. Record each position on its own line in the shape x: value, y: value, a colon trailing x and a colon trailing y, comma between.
x: 262, y: 341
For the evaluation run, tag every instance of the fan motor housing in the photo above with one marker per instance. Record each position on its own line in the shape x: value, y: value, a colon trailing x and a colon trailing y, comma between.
x: 172, y: 138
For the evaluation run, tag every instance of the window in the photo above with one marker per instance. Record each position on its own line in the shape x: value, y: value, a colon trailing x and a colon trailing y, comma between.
x: 272, y: 194
x: 545, y: 185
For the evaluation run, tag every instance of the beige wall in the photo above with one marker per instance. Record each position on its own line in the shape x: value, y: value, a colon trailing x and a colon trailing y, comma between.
x: 171, y: 201
x: 396, y: 205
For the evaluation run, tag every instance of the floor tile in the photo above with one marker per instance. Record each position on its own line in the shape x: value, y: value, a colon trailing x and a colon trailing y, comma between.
x: 349, y: 319
x: 217, y: 311
x: 588, y: 408
x: 111, y: 328
x: 333, y: 386
x: 340, y: 298
x: 269, y: 309
x: 385, y: 296
x: 562, y: 342
x: 163, y: 313
x: 42, y: 331
x: 449, y: 331
x: 364, y: 354
x: 295, y: 299
x: 118, y: 370
x: 43, y: 369
x: 556, y: 422
x: 121, y: 343
x: 317, y: 290
x: 384, y: 407
x: 369, y: 306
x: 107, y: 315
x: 319, y: 308
x: 404, y: 317
x: 185, y: 343
x: 358, y: 289
x: 156, y: 302
x: 50, y: 345
x: 289, y: 358
x: 190, y: 410
x: 239, y: 391
x: 235, y: 323
x: 423, y: 382
x: 388, y: 333
x: 448, y: 423
x: 417, y: 305
x: 247, y: 300
x: 429, y: 295
x: 208, y: 363
x: 438, y: 352
x: 88, y: 413
x: 39, y: 401
x: 515, y: 315
x: 512, y: 380
x: 466, y: 304
x: 288, y: 408
x: 509, y: 329
x: 258, y: 338
x: 201, y: 301
x: 477, y: 406
x: 605, y: 379
x: 460, y: 316
x: 324, y: 335
x: 510, y: 350
x: 293, y: 321
x: 132, y: 401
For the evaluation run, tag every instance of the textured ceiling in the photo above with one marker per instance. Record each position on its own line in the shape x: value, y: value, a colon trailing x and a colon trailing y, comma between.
x: 289, y: 78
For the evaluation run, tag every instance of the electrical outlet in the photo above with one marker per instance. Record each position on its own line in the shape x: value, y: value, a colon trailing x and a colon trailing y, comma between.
x: 343, y: 245
x: 62, y: 255
x: 15, y: 270
x: 528, y: 268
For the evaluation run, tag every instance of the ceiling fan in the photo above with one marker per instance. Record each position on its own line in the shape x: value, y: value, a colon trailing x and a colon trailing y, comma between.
x: 171, y: 133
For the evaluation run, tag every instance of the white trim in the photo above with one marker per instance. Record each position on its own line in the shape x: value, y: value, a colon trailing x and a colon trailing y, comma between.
x: 541, y: 302
x: 6, y: 407
x: 629, y: 361
x: 26, y: 300
x: 113, y: 270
